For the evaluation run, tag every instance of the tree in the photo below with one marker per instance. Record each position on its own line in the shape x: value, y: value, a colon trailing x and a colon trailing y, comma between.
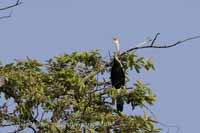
x: 73, y: 93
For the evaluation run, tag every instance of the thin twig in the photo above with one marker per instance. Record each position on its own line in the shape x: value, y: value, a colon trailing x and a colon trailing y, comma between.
x: 162, y: 124
x: 8, y: 125
x: 42, y: 116
x: 7, y: 16
x: 146, y: 41
x: 32, y: 128
x: 152, y: 43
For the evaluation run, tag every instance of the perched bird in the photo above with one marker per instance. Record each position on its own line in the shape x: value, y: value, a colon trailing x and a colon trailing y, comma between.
x: 117, y: 74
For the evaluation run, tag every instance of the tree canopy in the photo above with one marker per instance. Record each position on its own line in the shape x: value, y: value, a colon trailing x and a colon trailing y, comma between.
x: 73, y: 93
x: 65, y: 94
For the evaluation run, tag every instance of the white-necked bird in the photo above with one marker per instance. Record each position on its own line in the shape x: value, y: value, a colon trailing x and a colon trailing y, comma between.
x: 117, y: 74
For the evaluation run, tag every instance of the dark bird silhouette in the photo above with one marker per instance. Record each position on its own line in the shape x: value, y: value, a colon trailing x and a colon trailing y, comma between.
x: 117, y: 74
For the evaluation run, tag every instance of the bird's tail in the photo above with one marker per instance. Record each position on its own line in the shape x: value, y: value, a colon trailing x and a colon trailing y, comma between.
x: 119, y: 104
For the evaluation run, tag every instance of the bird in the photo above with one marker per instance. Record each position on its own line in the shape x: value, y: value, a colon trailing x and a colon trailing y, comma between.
x: 117, y: 74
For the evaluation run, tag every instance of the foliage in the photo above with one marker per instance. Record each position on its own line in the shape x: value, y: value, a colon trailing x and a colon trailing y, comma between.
x: 72, y: 93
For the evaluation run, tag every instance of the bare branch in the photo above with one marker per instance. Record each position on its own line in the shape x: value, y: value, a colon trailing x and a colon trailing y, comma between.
x: 18, y: 2
x: 162, y: 46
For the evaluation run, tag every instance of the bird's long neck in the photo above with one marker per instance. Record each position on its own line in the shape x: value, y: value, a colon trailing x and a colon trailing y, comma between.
x: 117, y: 61
x: 117, y: 47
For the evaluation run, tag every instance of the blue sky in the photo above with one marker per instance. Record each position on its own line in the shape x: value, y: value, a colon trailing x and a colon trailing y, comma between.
x: 41, y: 29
